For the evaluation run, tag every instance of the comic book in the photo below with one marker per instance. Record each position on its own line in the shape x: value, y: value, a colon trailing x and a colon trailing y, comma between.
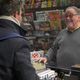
x: 29, y: 17
x: 64, y: 2
x: 28, y: 4
x: 54, y: 3
x: 59, y: 2
x: 42, y: 25
x: 32, y: 3
x: 37, y: 3
x: 55, y: 19
x: 49, y: 3
x: 40, y: 16
x: 44, y: 4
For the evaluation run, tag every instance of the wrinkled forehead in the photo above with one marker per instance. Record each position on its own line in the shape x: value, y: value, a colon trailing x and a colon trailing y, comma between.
x: 71, y: 10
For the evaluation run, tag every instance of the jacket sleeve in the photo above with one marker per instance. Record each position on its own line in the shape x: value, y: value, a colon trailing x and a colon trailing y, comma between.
x: 23, y: 68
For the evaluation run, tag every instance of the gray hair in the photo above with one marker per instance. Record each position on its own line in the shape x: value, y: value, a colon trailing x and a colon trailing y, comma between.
x: 75, y: 8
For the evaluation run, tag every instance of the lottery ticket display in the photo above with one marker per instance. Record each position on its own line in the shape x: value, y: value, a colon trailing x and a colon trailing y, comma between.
x: 47, y: 75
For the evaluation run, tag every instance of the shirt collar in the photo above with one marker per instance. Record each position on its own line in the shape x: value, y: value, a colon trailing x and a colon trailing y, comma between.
x: 73, y: 30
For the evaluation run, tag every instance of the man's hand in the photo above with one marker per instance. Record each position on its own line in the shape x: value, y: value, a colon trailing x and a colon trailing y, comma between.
x: 43, y: 60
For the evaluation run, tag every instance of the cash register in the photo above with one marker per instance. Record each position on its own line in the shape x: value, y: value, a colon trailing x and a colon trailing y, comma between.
x: 65, y: 74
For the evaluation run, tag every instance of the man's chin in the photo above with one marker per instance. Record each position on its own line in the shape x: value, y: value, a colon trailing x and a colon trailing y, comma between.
x: 70, y: 28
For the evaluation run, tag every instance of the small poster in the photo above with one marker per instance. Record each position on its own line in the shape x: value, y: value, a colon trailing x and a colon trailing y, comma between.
x: 35, y: 56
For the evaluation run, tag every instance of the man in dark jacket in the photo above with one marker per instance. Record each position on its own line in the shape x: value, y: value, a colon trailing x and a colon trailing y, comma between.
x: 15, y: 61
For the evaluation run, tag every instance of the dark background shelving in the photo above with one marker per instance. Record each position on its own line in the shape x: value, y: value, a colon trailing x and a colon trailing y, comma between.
x: 44, y: 39
x: 49, y: 8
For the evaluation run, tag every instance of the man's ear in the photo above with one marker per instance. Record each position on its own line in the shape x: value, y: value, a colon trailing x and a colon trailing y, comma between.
x: 16, y: 15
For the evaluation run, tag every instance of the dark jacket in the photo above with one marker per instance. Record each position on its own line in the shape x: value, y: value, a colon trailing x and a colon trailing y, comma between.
x: 15, y: 61
x: 65, y: 51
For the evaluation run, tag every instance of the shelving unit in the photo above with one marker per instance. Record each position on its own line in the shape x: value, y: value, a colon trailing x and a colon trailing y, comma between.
x: 49, y: 8
x: 43, y: 37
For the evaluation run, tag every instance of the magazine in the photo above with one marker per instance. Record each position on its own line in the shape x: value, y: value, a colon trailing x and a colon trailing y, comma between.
x: 55, y: 19
x: 29, y: 16
x: 42, y: 25
x: 40, y: 15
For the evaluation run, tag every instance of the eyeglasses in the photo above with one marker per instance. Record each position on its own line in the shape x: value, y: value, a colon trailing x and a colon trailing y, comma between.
x: 70, y: 15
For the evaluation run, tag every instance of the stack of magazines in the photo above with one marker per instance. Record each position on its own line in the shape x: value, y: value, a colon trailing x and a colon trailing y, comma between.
x: 47, y: 75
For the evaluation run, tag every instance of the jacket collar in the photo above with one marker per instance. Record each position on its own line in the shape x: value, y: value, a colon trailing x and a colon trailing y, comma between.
x: 16, y: 23
x: 11, y: 18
